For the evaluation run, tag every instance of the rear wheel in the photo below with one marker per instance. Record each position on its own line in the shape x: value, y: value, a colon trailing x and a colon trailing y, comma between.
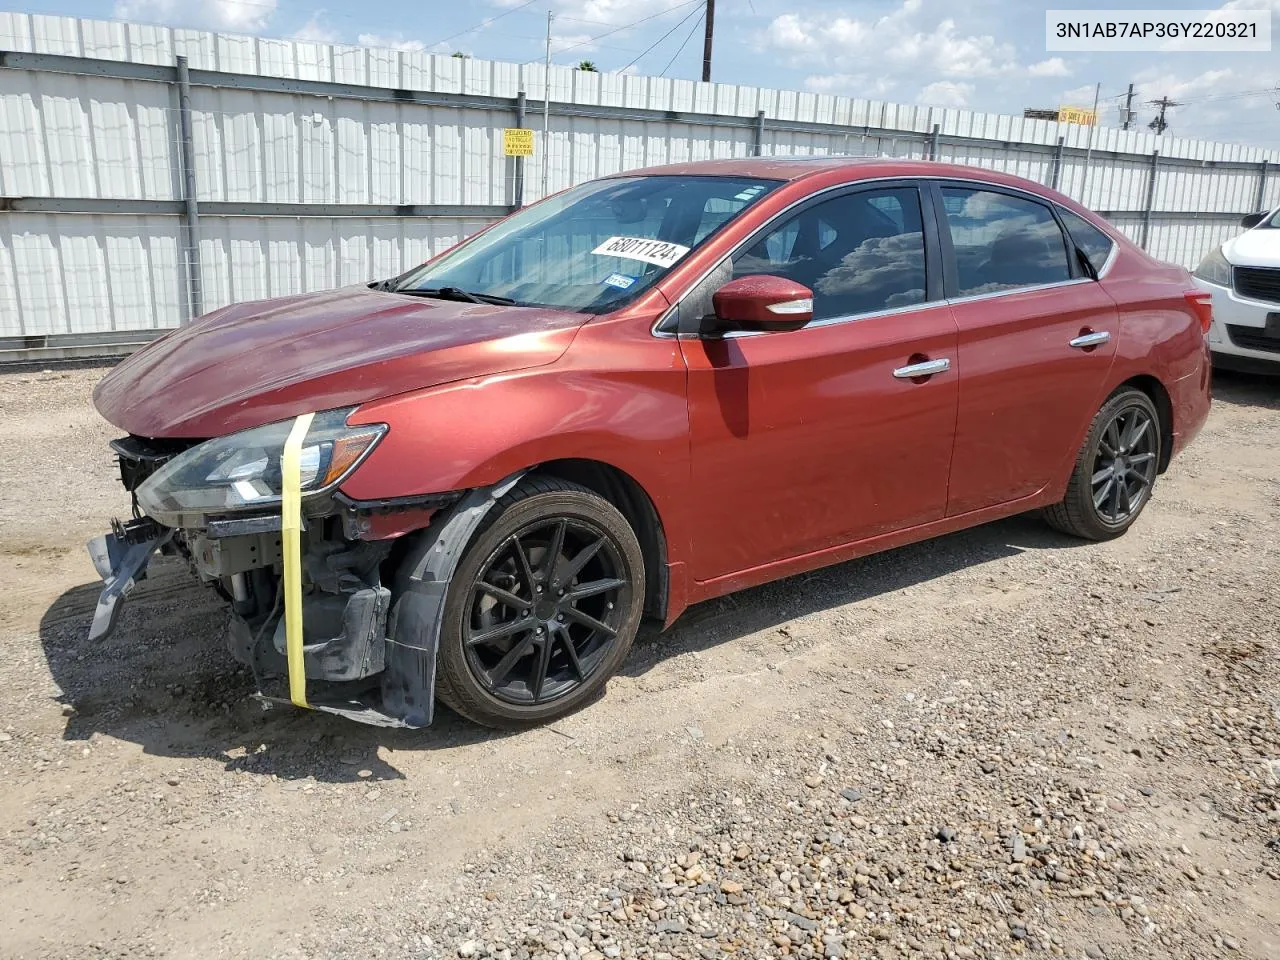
x: 542, y: 608
x: 1115, y: 470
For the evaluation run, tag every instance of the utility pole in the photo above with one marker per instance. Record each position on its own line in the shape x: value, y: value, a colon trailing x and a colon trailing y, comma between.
x: 1159, y: 124
x: 706, y: 43
x: 1088, y: 156
x: 1128, y: 108
x: 546, y: 110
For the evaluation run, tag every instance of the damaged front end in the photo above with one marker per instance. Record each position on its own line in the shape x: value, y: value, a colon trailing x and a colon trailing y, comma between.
x: 307, y: 572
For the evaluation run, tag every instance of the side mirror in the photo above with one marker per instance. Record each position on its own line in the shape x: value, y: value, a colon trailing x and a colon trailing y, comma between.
x: 761, y: 302
x: 1251, y: 220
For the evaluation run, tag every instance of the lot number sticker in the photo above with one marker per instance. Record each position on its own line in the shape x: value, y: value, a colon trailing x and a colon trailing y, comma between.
x: 657, y: 252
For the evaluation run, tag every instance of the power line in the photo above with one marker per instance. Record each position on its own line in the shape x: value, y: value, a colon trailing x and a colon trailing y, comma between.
x: 483, y: 23
x: 1238, y: 95
x: 687, y: 37
x: 691, y: 13
x: 627, y: 26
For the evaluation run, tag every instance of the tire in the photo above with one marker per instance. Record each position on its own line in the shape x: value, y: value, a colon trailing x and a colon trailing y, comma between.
x: 1079, y: 513
x: 576, y: 659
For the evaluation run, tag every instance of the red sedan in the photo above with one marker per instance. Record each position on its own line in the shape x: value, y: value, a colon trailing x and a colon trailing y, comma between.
x: 474, y: 480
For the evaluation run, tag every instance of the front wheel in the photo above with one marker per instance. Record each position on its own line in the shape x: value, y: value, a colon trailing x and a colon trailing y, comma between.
x: 542, y: 608
x: 1115, y: 470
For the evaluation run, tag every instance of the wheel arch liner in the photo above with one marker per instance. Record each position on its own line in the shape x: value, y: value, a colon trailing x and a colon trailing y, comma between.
x: 408, y: 682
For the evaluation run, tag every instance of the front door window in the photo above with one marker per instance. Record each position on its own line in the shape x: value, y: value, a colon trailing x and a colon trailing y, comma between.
x: 859, y: 253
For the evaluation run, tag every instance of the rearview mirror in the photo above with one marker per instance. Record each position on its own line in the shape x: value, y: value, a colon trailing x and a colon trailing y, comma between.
x: 761, y: 302
x: 1251, y: 220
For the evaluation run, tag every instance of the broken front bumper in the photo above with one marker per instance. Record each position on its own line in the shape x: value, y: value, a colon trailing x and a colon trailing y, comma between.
x: 342, y: 618
x: 346, y: 645
x: 121, y: 559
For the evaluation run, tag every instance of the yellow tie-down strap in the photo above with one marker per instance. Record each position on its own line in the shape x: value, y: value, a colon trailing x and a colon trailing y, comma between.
x: 291, y: 543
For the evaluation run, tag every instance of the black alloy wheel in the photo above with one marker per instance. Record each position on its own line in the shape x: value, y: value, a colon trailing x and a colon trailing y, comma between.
x: 1115, y: 470
x: 1125, y: 466
x: 544, y: 610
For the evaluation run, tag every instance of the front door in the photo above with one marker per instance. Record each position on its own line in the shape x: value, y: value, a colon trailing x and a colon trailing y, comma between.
x: 1037, y: 339
x: 812, y: 438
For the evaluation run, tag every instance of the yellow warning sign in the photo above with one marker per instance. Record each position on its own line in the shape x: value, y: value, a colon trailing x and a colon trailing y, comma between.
x: 1077, y: 115
x: 517, y: 142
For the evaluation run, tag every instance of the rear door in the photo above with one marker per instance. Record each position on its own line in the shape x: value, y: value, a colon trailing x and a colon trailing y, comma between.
x: 1037, y: 336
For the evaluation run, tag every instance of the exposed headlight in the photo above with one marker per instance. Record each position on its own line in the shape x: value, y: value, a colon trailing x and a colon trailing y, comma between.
x: 242, y: 471
x: 1214, y: 268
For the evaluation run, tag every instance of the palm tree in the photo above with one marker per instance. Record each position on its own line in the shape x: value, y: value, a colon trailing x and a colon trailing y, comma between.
x: 588, y: 66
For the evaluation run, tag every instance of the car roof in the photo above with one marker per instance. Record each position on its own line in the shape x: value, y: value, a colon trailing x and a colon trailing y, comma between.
x: 855, y: 168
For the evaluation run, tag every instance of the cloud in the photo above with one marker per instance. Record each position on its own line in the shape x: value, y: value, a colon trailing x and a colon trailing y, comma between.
x: 234, y: 16
x: 316, y: 30
x: 851, y: 85
x: 398, y: 41
x: 578, y: 42
x: 906, y: 46
x: 602, y: 12
x: 1078, y: 96
x: 788, y: 32
x: 391, y: 41
x: 897, y: 41
x: 1053, y: 67
x: 945, y: 93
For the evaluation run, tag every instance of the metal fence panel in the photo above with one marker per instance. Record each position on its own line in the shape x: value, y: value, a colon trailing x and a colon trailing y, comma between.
x: 73, y: 273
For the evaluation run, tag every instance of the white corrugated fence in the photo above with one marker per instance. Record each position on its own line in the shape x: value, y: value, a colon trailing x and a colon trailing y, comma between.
x: 317, y: 164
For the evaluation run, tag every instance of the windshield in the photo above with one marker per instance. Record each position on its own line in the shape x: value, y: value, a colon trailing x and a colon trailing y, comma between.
x: 1273, y: 220
x: 592, y: 248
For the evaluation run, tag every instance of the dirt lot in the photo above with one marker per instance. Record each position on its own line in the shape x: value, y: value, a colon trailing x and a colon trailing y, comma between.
x: 1000, y: 743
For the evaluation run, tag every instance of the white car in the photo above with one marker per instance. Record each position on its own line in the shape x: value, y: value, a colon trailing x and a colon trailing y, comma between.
x: 1244, y: 277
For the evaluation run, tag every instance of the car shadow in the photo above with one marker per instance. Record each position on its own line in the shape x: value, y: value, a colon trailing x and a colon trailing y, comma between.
x: 773, y: 604
x: 165, y: 680
x: 1247, y: 389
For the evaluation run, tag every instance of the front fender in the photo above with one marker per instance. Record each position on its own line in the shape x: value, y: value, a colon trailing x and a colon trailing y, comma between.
x: 475, y: 434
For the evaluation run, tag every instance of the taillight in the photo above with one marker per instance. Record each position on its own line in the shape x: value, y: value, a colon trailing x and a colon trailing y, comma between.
x: 1202, y: 303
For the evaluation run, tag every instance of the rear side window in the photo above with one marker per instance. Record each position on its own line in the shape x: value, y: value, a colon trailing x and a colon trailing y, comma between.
x: 1003, y: 242
x: 859, y: 252
x: 1091, y: 241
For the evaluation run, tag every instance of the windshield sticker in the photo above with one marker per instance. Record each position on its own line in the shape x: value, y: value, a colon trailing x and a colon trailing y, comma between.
x: 619, y: 280
x: 657, y: 252
x: 748, y: 193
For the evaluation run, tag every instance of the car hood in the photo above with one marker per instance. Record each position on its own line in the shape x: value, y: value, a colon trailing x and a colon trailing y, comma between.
x: 1254, y: 248
x: 254, y: 363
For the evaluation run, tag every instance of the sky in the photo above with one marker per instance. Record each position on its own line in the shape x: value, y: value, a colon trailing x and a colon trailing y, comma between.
x: 984, y: 55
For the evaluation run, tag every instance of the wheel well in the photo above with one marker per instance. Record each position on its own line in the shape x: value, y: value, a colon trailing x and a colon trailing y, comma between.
x: 632, y: 502
x: 1155, y: 390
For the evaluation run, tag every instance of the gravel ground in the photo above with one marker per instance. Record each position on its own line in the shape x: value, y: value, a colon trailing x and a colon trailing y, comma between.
x: 1003, y: 742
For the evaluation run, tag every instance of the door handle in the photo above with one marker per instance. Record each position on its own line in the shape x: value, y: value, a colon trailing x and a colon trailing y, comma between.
x: 926, y: 368
x: 1087, y: 340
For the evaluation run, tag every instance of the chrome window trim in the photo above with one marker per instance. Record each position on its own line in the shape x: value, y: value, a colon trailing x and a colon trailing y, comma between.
x: 855, y: 317
x: 827, y: 321
x: 831, y: 321
x: 1027, y: 289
